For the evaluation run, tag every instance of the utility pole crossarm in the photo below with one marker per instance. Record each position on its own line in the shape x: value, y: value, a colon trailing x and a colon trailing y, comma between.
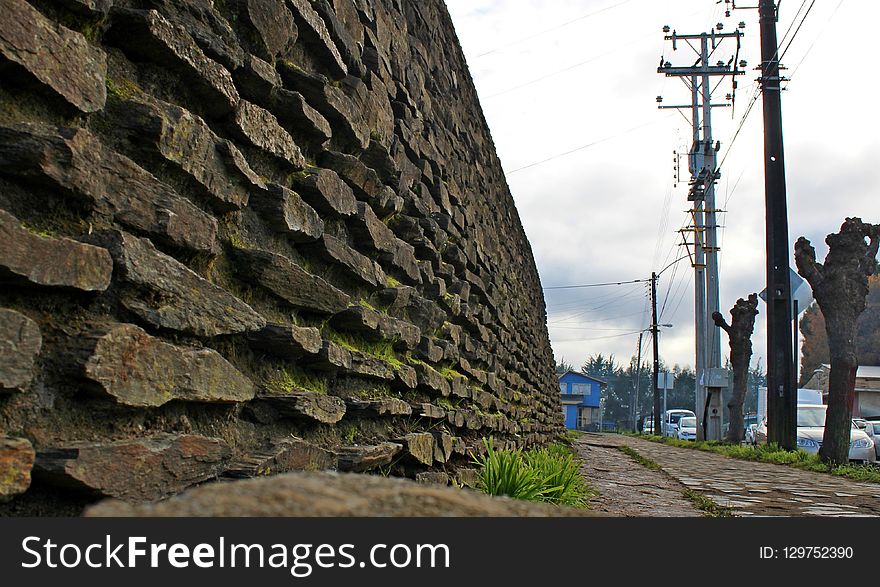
x: 703, y: 167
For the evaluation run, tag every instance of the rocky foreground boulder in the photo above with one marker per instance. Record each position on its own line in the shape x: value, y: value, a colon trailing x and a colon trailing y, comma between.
x: 332, y: 494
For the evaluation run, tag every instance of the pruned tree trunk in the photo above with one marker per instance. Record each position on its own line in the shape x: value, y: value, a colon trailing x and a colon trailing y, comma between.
x: 739, y: 333
x: 840, y: 287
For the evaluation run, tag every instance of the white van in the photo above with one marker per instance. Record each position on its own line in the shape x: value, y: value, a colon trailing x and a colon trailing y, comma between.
x: 669, y: 425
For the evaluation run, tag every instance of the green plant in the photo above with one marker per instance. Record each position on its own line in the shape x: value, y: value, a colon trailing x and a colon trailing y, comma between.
x: 708, y: 506
x: 643, y: 461
x: 288, y: 380
x: 505, y: 472
x: 560, y: 472
x: 550, y: 475
x: 382, y: 349
x: 450, y: 373
x: 122, y: 88
x: 391, y: 282
x: 365, y: 304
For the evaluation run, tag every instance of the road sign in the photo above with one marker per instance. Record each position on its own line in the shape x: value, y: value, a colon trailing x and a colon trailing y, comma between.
x: 665, y: 380
x: 801, y: 293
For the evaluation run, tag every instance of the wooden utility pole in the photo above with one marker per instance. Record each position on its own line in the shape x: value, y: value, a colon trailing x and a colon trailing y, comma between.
x: 781, y: 389
x: 638, y: 384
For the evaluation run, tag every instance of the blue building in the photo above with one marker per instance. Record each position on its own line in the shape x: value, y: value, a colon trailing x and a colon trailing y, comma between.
x: 580, y: 400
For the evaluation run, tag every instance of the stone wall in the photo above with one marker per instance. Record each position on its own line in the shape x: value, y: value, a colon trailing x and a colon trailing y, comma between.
x: 244, y: 237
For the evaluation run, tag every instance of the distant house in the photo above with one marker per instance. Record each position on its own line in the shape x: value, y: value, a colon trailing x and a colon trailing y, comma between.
x: 867, y: 400
x: 580, y: 400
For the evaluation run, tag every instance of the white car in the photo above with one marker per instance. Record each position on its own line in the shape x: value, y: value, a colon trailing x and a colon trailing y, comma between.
x: 811, y: 429
x: 669, y: 425
x: 687, y: 428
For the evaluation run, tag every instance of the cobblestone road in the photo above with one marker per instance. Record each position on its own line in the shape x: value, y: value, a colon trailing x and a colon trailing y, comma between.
x: 750, y: 488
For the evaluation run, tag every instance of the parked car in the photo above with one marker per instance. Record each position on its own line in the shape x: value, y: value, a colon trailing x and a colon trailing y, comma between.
x: 750, y: 434
x: 872, y: 429
x: 648, y: 426
x: 811, y: 429
x: 669, y: 424
x: 687, y: 428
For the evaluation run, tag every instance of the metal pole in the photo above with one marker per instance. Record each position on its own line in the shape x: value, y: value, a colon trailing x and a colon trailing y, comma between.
x: 654, y: 332
x: 781, y: 398
x: 699, y: 264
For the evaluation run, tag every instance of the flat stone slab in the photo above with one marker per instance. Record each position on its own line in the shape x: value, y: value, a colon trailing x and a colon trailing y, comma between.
x: 74, y: 160
x: 286, y: 340
x: 282, y: 456
x: 136, y: 369
x: 290, y: 282
x: 308, y: 405
x: 286, y: 213
x: 305, y: 494
x: 326, y: 192
x: 141, y: 469
x: 260, y: 128
x: 179, y: 299
x: 172, y: 134
x: 27, y: 258
x: 59, y: 58
x: 390, y: 406
x: 355, y: 265
x: 20, y: 343
x: 358, y: 459
x: 419, y: 446
x: 146, y: 34
x: 16, y: 461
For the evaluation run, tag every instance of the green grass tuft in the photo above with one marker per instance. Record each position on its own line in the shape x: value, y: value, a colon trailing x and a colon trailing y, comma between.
x: 450, y: 373
x: 383, y: 349
x: 548, y: 475
x: 289, y: 380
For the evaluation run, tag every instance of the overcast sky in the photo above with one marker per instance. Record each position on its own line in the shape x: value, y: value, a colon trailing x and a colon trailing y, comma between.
x: 557, y: 75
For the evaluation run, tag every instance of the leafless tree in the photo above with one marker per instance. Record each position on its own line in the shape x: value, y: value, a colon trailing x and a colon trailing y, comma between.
x: 739, y: 333
x: 840, y: 287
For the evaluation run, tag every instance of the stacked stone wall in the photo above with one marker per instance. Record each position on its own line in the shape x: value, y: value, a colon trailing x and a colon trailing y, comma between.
x: 244, y: 237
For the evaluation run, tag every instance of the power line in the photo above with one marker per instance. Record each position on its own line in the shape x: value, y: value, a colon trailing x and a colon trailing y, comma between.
x: 810, y: 48
x: 550, y: 30
x: 610, y: 283
x: 601, y: 337
x: 587, y: 146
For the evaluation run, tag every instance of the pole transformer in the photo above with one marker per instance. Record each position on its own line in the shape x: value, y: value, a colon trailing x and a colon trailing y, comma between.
x: 703, y: 167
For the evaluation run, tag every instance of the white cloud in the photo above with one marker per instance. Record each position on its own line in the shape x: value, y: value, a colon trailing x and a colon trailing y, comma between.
x: 593, y: 215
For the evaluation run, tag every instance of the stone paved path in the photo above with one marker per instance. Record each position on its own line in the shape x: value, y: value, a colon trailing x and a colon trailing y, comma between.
x: 750, y: 488
x: 625, y: 487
